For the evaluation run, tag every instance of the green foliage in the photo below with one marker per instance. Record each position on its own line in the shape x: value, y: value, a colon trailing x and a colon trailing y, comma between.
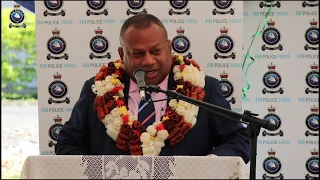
x: 16, y: 72
x: 16, y: 176
x: 16, y: 96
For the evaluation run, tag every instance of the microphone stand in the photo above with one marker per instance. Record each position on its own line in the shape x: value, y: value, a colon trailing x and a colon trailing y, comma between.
x: 252, y: 130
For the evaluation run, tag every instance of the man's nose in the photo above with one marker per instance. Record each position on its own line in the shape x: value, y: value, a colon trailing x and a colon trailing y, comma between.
x: 148, y: 60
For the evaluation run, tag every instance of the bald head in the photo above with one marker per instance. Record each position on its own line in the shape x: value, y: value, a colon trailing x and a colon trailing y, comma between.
x: 140, y: 21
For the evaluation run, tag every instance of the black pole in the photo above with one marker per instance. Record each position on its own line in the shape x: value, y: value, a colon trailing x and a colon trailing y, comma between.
x: 253, y: 156
x: 253, y: 128
x: 253, y: 131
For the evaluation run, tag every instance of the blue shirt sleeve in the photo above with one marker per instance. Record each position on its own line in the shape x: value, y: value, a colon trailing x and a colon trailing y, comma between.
x: 27, y: 4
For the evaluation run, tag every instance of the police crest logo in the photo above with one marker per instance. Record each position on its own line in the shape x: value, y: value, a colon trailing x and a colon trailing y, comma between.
x: 96, y: 7
x: 17, y: 17
x: 223, y: 6
x: 135, y: 7
x: 54, y: 130
x: 53, y: 8
x: 57, y: 45
x: 181, y: 44
x: 274, y: 119
x: 178, y: 7
x: 270, y: 3
x: 310, y: 3
x: 312, y: 122
x: 312, y: 79
x: 272, y: 80
x: 58, y: 89
x: 272, y: 166
x: 312, y: 36
x: 271, y: 36
x: 227, y: 87
x: 99, y: 45
x: 224, y: 44
x: 312, y: 165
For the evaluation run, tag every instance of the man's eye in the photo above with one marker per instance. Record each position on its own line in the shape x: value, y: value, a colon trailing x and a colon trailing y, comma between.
x: 157, y: 51
x: 136, y: 53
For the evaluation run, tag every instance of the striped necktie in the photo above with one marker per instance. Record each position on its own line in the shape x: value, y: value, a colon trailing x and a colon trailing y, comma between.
x: 146, y: 112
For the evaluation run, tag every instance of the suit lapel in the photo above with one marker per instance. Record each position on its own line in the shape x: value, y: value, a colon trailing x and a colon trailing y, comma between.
x: 126, y: 88
x: 170, y: 79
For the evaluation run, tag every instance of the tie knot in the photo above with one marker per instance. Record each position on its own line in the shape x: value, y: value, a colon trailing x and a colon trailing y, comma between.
x: 148, y: 93
x: 149, y: 90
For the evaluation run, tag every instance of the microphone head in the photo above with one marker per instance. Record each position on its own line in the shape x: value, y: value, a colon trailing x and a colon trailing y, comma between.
x: 140, y: 72
x: 140, y: 76
x: 270, y: 126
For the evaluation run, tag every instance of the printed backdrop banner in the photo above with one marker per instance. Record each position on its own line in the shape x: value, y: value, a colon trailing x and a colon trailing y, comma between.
x: 284, y: 86
x: 73, y: 43
x: 74, y: 39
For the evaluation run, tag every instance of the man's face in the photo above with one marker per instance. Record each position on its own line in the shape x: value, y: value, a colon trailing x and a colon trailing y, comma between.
x: 148, y: 49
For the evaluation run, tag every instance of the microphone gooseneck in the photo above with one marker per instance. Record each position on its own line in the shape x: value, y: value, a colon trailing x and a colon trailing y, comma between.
x: 140, y: 76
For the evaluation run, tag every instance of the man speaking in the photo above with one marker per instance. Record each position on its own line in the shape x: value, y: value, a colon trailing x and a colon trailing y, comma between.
x: 116, y: 115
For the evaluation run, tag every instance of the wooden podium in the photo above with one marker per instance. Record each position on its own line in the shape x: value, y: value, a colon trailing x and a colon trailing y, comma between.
x: 133, y: 167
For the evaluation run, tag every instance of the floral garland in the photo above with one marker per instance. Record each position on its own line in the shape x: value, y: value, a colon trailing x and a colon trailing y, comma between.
x: 126, y: 130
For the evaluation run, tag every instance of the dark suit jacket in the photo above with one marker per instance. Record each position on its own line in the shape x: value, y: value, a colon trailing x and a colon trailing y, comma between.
x: 27, y: 4
x: 85, y: 134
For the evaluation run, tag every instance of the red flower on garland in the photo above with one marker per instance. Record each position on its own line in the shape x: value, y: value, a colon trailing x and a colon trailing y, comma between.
x: 120, y: 103
x: 160, y: 127
x: 117, y: 89
x: 125, y: 118
x: 118, y: 72
x: 182, y: 67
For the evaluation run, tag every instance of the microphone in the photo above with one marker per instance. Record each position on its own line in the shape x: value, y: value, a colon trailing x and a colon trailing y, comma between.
x: 140, y: 75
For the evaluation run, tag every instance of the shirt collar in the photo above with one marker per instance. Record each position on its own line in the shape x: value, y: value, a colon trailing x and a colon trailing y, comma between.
x: 163, y: 85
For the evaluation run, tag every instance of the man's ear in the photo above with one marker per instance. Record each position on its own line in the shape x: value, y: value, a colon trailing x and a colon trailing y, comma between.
x: 169, y: 45
x: 120, y: 51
